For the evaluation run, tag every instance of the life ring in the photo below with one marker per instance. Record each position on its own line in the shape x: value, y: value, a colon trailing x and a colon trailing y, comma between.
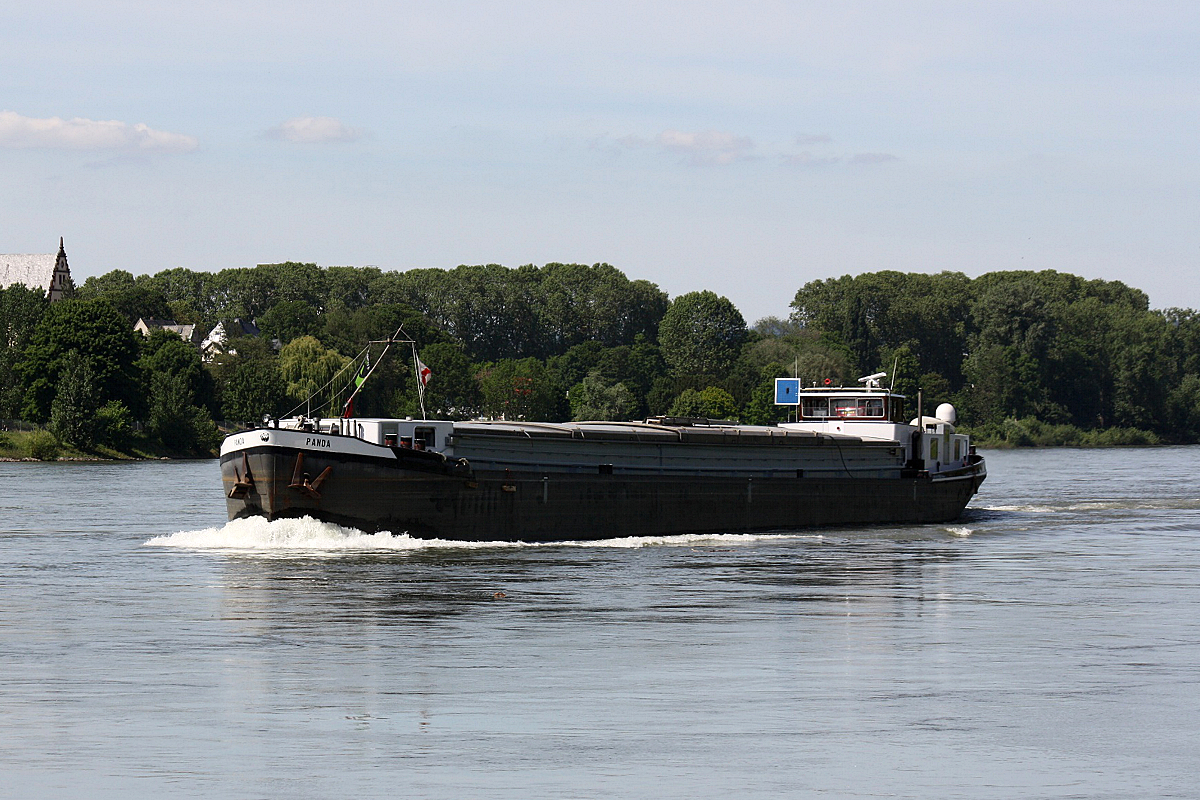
x: 829, y: 381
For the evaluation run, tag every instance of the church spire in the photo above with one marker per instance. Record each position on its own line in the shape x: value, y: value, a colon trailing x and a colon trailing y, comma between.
x: 60, y: 280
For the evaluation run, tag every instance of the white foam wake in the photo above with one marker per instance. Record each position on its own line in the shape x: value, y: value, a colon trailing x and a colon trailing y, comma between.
x: 1120, y: 504
x: 1035, y: 509
x: 306, y: 535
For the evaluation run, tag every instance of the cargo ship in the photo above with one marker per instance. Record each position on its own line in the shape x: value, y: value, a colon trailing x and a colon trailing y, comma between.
x: 847, y: 457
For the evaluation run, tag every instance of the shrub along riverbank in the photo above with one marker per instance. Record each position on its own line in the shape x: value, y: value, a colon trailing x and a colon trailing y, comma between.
x: 42, y: 445
x: 1031, y: 432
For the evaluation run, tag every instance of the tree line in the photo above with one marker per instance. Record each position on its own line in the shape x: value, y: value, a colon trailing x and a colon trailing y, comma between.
x: 1027, y: 357
x: 1022, y: 354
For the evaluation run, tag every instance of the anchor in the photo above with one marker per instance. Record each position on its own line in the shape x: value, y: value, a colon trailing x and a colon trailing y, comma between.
x: 301, y: 483
x: 509, y: 485
x: 242, y: 485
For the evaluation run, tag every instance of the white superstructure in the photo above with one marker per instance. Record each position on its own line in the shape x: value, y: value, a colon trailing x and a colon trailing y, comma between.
x: 871, y: 412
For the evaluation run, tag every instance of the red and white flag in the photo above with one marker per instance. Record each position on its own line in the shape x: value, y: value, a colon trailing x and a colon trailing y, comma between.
x: 424, y: 373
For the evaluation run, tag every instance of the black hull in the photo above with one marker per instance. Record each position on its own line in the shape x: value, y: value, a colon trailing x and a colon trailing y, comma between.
x: 427, y: 498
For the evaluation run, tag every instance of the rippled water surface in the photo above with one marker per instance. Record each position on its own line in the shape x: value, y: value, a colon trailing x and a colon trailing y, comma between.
x: 1046, y: 645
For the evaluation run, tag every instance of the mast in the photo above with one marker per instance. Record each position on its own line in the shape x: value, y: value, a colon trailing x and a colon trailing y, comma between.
x: 359, y: 382
x: 420, y: 382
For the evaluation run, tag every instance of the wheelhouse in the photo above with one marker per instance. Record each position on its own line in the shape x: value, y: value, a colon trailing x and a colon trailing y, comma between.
x: 869, y: 403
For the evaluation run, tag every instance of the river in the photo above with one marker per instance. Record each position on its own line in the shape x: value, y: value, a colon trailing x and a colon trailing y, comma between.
x: 1046, y: 645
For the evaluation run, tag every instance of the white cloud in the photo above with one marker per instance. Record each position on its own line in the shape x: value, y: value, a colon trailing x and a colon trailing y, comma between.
x: 309, y: 130
x: 807, y: 159
x: 713, y: 147
x: 872, y: 158
x: 20, y: 132
x: 707, y: 147
x: 703, y: 147
x: 813, y: 138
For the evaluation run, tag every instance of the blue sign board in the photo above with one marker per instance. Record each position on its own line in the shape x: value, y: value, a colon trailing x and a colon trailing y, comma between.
x: 787, y: 391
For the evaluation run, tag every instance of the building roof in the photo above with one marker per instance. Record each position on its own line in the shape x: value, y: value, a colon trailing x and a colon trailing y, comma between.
x: 35, y: 270
x: 152, y: 322
x: 145, y: 325
x: 46, y: 271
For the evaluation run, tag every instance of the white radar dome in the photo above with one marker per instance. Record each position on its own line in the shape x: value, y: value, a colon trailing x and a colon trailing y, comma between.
x: 946, y: 413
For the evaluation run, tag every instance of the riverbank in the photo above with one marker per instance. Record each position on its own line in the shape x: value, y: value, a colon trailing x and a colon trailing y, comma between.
x: 1032, y: 432
x: 41, y: 445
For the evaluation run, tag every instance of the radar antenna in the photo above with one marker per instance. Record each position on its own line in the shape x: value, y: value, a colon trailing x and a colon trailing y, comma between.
x: 872, y: 381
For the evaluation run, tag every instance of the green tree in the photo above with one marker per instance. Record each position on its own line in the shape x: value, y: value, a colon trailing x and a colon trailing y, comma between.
x: 133, y: 298
x: 175, y: 420
x: 100, y: 335
x: 1183, y: 406
x: 709, y: 403
x: 350, y: 331
x: 314, y: 374
x: 802, y: 355
x: 519, y: 390
x: 114, y: 425
x: 452, y: 391
x: 165, y: 352
x: 595, y: 398
x: 252, y: 292
x: 577, y: 303
x: 760, y: 409
x: 903, y: 367
x: 577, y: 362
x: 43, y: 446
x: 882, y: 310
x: 204, y: 296
x: 73, y: 411
x: 253, y: 388
x: 488, y: 309
x: 351, y: 288
x: 20, y: 310
x: 288, y: 320
x: 701, y: 334
x: 495, y: 312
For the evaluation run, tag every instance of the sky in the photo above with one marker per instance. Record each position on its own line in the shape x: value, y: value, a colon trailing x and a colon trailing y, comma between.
x: 743, y: 147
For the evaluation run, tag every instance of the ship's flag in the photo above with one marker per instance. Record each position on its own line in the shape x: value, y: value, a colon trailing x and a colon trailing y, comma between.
x: 361, y: 377
x: 424, y: 373
x: 359, y: 380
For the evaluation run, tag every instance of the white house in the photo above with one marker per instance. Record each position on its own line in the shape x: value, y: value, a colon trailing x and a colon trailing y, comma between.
x: 217, y: 341
x: 145, y: 325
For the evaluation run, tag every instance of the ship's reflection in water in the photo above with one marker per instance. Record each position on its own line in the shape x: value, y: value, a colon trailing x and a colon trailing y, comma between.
x: 673, y: 579
x: 823, y: 661
x: 719, y: 661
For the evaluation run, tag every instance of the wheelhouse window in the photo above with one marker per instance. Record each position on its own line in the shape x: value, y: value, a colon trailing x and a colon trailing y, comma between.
x: 815, y: 407
x: 425, y: 438
x: 862, y: 408
x: 391, y: 433
x: 858, y: 407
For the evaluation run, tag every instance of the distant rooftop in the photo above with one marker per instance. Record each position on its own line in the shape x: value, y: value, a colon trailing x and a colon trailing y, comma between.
x: 46, y: 271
